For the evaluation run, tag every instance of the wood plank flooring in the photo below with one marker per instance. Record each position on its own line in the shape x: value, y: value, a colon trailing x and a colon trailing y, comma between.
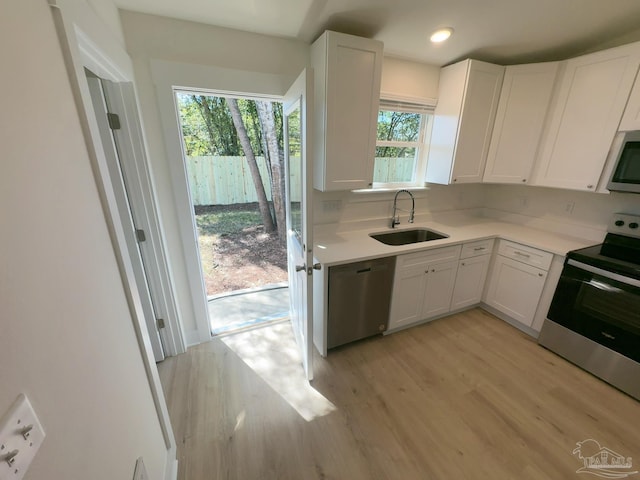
x: 466, y: 396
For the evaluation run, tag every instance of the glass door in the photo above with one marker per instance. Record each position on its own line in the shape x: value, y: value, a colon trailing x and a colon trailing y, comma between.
x: 299, y: 191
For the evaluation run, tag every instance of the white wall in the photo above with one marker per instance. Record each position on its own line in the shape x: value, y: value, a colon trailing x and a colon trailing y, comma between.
x: 66, y: 334
x: 417, y: 82
x: 150, y: 38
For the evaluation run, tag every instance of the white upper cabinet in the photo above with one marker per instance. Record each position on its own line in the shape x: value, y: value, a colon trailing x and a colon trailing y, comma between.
x: 631, y: 117
x: 584, y: 118
x: 347, y: 73
x: 463, y: 121
x: 520, y: 119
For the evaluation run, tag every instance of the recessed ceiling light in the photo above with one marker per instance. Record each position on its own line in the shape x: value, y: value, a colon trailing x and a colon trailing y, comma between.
x: 441, y: 34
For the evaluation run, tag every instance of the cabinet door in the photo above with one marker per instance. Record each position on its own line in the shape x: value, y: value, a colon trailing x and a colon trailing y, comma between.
x: 408, y: 291
x: 524, y: 102
x: 348, y: 71
x: 591, y: 98
x: 470, y: 278
x: 476, y: 122
x: 439, y: 288
x: 463, y: 121
x: 515, y: 289
x: 631, y: 117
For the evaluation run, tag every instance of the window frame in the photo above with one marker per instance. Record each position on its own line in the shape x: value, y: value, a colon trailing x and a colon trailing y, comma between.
x: 421, y: 145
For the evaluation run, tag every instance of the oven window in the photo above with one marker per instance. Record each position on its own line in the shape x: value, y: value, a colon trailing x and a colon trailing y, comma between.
x: 610, y: 301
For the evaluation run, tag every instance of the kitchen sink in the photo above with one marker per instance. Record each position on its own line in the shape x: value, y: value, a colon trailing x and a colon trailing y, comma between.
x: 405, y: 237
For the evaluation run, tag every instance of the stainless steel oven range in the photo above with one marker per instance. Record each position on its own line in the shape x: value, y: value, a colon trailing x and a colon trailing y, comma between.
x: 594, y: 318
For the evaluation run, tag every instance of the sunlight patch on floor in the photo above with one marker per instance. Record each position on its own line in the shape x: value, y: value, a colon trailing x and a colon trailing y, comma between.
x: 272, y: 353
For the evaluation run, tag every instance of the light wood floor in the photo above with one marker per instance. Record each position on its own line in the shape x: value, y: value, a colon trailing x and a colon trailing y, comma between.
x: 466, y: 396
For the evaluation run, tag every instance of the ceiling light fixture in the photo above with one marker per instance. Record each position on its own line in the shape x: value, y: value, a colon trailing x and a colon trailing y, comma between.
x: 441, y: 34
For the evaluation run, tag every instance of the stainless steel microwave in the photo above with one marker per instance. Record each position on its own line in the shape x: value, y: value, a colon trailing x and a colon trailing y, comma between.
x: 626, y: 172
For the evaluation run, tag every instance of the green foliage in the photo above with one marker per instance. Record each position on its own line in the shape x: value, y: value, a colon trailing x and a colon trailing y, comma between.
x: 295, y: 135
x: 194, y: 129
x: 395, y: 152
x: 208, y: 129
x: 226, y: 223
x: 398, y: 126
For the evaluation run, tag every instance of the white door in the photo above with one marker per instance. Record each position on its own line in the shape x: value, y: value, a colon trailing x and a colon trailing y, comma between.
x: 299, y: 191
x: 134, y: 236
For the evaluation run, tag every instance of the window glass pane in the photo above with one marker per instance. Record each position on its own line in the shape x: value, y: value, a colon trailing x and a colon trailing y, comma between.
x: 294, y: 145
x: 398, y: 126
x: 390, y: 167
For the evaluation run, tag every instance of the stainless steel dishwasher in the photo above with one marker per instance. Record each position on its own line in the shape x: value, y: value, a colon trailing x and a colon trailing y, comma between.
x: 359, y: 300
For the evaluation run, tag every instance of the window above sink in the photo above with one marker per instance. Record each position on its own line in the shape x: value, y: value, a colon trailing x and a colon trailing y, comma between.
x: 402, y: 144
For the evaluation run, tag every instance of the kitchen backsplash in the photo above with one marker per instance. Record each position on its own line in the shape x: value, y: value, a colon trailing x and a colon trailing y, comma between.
x: 348, y: 209
x: 567, y: 212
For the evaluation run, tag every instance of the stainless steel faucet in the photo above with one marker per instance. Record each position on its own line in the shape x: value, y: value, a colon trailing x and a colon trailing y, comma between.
x: 395, y: 217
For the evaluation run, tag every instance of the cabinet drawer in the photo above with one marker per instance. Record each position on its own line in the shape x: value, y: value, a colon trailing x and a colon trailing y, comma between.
x: 429, y: 256
x: 528, y: 255
x: 473, y: 249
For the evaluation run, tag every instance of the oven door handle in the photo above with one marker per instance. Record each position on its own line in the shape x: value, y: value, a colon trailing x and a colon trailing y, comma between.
x: 604, y: 273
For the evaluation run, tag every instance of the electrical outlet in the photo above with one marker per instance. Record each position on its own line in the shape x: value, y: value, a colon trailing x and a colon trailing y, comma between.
x: 140, y: 472
x: 20, y: 438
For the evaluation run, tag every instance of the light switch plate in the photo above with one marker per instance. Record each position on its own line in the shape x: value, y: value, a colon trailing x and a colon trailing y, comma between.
x: 21, y: 435
x: 141, y: 472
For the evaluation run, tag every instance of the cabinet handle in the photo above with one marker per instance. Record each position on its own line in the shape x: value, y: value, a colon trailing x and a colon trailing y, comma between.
x: 524, y: 180
x: 589, y: 186
x: 522, y: 254
x: 463, y: 264
x: 477, y: 249
x: 541, y: 274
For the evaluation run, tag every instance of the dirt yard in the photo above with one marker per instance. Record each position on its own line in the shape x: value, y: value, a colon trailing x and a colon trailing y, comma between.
x: 235, y: 250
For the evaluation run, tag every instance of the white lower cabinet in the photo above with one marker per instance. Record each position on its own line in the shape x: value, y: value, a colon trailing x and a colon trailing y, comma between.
x: 441, y: 278
x: 472, y: 272
x: 423, y: 285
x: 516, y: 284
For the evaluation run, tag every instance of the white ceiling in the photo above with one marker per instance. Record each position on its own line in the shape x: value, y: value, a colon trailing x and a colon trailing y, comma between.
x: 502, y: 31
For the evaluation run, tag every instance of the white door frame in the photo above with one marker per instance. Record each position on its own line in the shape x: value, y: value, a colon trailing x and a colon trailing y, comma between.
x: 122, y: 195
x: 86, y: 43
x: 169, y: 77
x: 141, y: 191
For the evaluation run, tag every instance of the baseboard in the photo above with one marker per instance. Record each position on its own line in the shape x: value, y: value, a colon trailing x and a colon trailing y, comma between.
x: 192, y: 338
x: 496, y: 313
x: 430, y: 319
x: 171, y: 471
x: 514, y: 323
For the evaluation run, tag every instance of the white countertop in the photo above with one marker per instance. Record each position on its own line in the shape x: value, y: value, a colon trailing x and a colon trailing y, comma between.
x: 337, y: 247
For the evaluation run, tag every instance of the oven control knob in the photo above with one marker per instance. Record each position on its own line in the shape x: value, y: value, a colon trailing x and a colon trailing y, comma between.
x: 619, y: 223
x: 633, y: 225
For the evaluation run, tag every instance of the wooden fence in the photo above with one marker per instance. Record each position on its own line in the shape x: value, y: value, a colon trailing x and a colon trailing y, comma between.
x: 227, y: 180
x: 393, y: 169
